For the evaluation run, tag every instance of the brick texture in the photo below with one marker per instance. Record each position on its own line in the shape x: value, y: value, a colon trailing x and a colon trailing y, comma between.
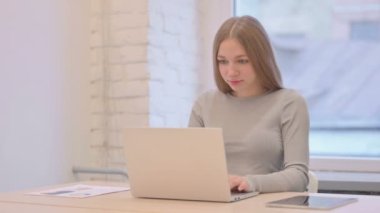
x: 144, y: 65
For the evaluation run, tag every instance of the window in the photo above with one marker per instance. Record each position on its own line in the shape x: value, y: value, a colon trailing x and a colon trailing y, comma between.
x: 329, y: 51
x: 365, y: 30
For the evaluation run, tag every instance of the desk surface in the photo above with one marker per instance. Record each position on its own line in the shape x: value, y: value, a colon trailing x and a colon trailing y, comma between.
x: 124, y: 202
x: 10, y: 207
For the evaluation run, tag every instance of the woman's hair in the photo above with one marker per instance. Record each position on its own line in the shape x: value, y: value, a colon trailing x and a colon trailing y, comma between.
x: 252, y: 36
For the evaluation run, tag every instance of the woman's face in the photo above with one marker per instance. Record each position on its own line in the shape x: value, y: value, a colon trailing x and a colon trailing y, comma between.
x: 237, y: 70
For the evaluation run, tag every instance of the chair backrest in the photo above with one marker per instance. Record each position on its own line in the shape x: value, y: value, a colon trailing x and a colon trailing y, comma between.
x: 313, y: 182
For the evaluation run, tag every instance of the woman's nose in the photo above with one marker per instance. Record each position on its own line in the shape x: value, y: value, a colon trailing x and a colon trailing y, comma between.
x: 232, y: 71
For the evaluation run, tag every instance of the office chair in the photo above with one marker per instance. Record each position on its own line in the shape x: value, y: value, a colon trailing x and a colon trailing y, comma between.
x: 313, y: 182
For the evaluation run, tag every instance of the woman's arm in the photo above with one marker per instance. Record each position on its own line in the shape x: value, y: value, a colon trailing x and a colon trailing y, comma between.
x: 196, y: 119
x: 295, y: 137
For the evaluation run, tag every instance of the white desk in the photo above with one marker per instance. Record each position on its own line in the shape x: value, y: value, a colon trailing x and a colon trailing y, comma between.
x: 124, y: 202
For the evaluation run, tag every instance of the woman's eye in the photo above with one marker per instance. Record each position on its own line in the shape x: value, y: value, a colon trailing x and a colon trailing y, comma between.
x: 243, y: 61
x: 222, y: 61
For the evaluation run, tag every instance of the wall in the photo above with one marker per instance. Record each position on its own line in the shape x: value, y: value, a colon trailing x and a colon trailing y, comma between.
x: 149, y: 61
x: 180, y: 48
x: 119, y: 76
x: 74, y: 74
x: 174, y: 55
x: 43, y: 91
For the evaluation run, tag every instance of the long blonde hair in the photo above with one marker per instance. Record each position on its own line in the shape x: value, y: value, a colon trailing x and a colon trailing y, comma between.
x: 252, y: 36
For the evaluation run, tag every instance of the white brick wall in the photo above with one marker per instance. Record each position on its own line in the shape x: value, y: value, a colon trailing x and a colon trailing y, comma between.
x: 119, y: 76
x: 146, y: 66
x: 174, y: 60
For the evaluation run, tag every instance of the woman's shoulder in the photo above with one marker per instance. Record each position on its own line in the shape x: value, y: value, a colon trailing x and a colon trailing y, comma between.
x: 288, y: 94
x: 290, y: 97
x: 209, y: 98
x: 210, y: 95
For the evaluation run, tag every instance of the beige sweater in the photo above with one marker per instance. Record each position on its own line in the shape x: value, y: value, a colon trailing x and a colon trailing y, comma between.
x: 266, y: 137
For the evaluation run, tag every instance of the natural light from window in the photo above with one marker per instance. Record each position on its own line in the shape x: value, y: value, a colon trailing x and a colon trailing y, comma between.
x: 329, y: 51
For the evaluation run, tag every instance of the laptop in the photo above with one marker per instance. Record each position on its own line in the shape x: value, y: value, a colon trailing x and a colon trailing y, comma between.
x: 178, y: 163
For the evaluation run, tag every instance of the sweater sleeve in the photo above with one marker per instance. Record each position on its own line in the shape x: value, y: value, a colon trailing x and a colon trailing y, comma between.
x: 295, y: 134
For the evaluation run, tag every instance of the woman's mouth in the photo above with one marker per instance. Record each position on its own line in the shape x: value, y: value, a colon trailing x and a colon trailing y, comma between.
x: 235, y: 82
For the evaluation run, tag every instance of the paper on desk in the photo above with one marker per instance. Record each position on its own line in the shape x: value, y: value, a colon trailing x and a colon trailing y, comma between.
x: 80, y: 191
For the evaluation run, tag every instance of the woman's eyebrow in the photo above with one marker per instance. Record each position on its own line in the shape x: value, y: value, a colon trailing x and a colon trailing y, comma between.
x: 239, y: 56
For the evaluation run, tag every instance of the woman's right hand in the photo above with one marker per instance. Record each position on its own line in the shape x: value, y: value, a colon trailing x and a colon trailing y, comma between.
x: 238, y: 183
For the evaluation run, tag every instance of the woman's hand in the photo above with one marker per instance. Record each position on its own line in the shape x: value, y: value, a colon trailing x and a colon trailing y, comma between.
x: 238, y: 183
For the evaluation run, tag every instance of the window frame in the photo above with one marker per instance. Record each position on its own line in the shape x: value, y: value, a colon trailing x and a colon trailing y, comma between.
x: 344, y: 164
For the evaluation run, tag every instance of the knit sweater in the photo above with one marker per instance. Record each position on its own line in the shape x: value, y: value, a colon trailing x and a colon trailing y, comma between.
x: 265, y: 136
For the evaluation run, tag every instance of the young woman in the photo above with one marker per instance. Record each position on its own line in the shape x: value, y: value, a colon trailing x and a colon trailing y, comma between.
x: 265, y: 126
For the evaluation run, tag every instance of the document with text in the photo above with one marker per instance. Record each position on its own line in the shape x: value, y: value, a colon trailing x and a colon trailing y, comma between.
x: 80, y: 191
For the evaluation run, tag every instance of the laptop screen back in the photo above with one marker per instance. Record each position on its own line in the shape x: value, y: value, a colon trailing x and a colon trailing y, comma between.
x: 177, y: 163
